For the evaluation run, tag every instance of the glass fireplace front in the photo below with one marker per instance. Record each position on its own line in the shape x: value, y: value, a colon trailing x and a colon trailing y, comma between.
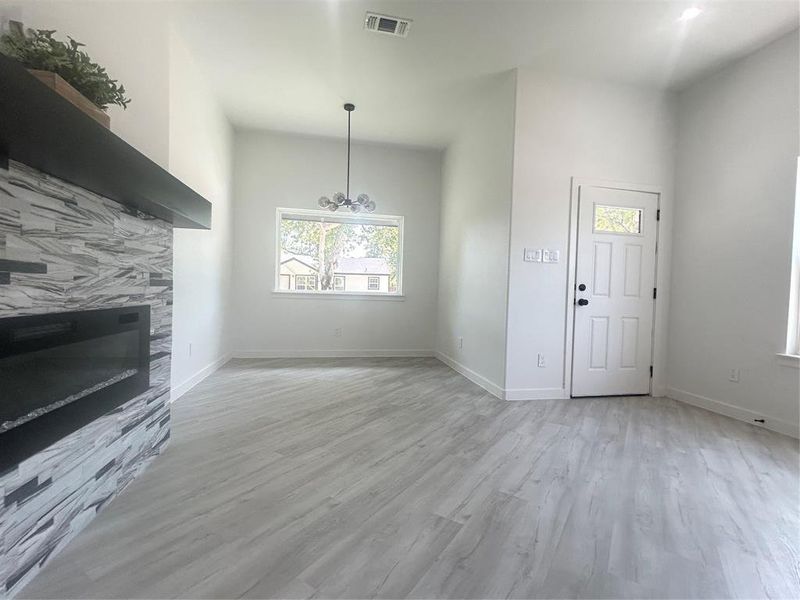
x: 61, y: 371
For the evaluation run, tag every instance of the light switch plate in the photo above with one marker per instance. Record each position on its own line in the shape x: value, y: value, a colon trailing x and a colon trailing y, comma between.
x: 532, y: 255
x: 550, y: 256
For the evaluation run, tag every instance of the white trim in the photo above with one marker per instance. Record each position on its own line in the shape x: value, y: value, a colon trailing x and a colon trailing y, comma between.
x: 332, y: 353
x: 735, y: 412
x: 474, y: 377
x: 536, y: 394
x: 179, y: 390
x: 509, y: 238
x: 389, y: 220
x: 793, y: 321
x: 789, y: 360
x: 656, y: 383
x: 498, y: 391
x: 339, y: 295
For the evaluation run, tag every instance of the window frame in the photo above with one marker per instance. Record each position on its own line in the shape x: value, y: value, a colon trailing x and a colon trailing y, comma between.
x: 323, y: 215
x: 791, y: 357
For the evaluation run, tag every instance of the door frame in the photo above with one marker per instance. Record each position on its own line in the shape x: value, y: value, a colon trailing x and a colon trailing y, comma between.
x: 572, y: 266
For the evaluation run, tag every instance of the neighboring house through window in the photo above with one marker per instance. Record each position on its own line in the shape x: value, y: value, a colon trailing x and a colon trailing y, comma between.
x: 373, y: 283
x: 305, y: 282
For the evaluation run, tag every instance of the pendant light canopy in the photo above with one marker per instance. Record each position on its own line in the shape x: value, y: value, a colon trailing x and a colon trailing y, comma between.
x: 362, y: 203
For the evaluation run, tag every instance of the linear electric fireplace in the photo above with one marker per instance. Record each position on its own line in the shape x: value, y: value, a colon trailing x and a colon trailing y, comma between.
x: 59, y: 372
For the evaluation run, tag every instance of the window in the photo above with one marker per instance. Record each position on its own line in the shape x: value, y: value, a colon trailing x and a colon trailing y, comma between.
x: 617, y: 219
x: 324, y: 253
x: 793, y: 327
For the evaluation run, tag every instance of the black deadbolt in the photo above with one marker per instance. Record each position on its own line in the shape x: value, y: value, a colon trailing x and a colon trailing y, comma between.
x: 583, y: 302
x: 582, y: 287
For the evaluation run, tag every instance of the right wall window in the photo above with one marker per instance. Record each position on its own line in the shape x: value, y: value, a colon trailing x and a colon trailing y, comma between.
x: 793, y: 333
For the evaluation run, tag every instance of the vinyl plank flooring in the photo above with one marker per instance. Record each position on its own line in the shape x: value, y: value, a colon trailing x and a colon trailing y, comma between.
x: 398, y: 478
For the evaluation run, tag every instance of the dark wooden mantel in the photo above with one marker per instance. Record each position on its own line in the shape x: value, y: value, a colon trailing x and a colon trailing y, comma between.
x: 43, y: 130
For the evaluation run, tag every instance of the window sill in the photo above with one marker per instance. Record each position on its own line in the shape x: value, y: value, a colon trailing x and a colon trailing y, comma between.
x: 789, y: 360
x: 339, y: 296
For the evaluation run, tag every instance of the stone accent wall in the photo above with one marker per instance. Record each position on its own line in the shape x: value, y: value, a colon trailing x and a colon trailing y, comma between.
x: 63, y: 248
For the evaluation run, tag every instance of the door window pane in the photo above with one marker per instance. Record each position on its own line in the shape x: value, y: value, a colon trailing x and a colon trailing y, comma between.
x: 617, y: 219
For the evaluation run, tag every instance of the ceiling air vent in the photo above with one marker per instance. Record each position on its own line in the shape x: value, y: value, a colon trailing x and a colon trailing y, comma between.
x: 386, y: 24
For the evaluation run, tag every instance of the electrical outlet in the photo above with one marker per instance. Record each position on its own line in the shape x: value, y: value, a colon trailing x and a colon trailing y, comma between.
x: 540, y: 360
x: 733, y: 375
x: 337, y: 332
x: 460, y: 342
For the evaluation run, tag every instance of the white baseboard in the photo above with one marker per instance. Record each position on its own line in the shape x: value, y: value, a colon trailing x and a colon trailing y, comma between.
x: 536, y: 394
x: 498, y: 391
x: 181, y: 389
x: 332, y: 353
x: 474, y: 377
x: 735, y: 412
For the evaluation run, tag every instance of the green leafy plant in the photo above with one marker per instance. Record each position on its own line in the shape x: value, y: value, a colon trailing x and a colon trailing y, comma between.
x: 38, y: 49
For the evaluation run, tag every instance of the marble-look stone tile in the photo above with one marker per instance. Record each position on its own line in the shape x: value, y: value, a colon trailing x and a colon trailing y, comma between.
x: 66, y: 249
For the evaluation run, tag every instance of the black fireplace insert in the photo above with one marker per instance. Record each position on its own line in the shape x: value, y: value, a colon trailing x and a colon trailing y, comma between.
x: 59, y: 372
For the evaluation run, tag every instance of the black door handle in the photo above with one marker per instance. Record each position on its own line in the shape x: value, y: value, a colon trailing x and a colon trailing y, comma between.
x: 583, y: 302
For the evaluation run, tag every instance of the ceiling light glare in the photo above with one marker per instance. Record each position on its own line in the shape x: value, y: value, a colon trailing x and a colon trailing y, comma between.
x: 690, y: 13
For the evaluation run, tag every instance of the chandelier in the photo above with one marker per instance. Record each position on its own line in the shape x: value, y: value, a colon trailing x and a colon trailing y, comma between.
x: 362, y: 203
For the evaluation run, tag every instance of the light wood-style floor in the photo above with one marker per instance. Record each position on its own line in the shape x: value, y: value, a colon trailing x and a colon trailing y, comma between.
x: 393, y: 478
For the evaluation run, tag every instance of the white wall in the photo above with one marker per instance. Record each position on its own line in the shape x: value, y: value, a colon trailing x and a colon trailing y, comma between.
x: 737, y: 155
x: 200, y: 155
x: 275, y: 170
x: 131, y: 40
x: 569, y: 128
x: 473, y: 267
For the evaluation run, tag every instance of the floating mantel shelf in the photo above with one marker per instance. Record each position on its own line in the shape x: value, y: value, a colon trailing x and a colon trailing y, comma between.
x: 43, y: 130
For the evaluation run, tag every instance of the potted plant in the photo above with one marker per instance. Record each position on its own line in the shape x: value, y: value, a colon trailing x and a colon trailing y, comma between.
x: 66, y: 69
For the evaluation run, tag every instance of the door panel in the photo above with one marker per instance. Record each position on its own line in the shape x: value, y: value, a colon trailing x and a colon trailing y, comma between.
x: 633, y: 271
x: 601, y: 282
x: 616, y: 248
x: 629, y: 354
x: 599, y: 343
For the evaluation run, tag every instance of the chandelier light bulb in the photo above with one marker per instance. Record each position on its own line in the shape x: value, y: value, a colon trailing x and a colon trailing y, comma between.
x: 323, y: 202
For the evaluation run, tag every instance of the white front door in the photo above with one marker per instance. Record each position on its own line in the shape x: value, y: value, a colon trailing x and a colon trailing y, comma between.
x: 614, y: 291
